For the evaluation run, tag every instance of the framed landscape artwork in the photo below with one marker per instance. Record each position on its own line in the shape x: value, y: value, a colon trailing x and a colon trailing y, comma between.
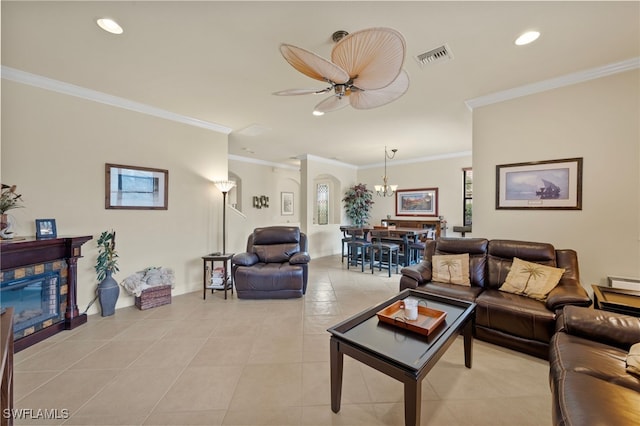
x: 543, y: 185
x: 417, y: 202
x: 132, y: 187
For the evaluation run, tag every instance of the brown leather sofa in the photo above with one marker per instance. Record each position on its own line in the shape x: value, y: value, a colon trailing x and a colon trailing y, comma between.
x: 275, y: 265
x: 587, y: 375
x: 510, y: 320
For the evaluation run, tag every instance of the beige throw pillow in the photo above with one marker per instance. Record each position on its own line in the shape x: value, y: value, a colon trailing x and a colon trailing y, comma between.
x: 531, y: 279
x: 451, y: 269
x: 633, y: 360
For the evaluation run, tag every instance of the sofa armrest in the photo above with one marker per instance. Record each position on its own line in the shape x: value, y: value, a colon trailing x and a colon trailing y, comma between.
x: 567, y: 293
x: 299, y: 258
x: 245, y: 259
x: 421, y: 273
x: 610, y: 328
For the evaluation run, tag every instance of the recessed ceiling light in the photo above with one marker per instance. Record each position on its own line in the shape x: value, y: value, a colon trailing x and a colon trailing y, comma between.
x: 318, y: 113
x: 526, y: 38
x: 109, y: 25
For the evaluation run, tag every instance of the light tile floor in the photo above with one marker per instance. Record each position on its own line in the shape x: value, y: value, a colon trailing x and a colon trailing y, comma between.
x: 261, y: 362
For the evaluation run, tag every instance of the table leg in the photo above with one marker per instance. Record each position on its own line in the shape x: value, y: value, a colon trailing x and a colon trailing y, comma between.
x: 204, y: 280
x: 337, y: 359
x: 468, y: 343
x: 412, y: 402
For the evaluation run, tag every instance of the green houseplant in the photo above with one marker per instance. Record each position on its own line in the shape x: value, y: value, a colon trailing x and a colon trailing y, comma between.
x: 107, y: 264
x: 9, y: 200
x: 357, y: 204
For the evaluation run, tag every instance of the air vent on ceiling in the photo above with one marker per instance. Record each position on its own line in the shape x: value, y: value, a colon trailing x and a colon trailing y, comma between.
x: 439, y: 54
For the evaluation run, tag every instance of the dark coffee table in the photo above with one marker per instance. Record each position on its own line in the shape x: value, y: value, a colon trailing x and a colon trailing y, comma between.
x: 399, y: 353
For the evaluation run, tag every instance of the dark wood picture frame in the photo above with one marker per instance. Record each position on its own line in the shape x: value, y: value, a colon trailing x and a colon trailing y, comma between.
x: 417, y: 202
x: 540, y: 185
x: 134, y: 187
x: 46, y: 228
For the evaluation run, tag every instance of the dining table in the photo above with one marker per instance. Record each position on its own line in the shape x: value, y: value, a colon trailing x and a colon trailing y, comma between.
x: 401, y: 235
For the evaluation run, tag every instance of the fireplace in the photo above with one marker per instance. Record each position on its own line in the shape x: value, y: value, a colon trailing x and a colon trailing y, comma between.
x: 38, y: 280
x: 35, y: 301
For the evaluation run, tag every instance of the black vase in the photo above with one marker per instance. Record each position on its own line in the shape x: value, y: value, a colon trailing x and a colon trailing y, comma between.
x: 108, y: 292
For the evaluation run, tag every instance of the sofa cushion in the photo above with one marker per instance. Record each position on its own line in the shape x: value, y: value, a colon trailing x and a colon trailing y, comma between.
x: 531, y: 279
x: 476, y: 248
x: 501, y: 254
x: 454, y: 291
x: 516, y: 315
x: 451, y: 269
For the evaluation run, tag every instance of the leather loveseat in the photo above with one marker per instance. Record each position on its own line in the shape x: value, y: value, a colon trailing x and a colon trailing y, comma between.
x: 589, y: 382
x: 511, y: 320
x: 275, y: 265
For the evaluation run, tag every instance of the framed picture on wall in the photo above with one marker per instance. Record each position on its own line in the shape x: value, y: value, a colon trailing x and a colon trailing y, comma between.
x: 286, y: 203
x: 132, y: 187
x: 46, y: 228
x: 542, y: 185
x: 417, y: 202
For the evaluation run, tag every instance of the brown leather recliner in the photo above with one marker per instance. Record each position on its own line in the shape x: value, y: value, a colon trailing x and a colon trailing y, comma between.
x: 275, y: 265
x: 589, y: 382
x: 510, y: 320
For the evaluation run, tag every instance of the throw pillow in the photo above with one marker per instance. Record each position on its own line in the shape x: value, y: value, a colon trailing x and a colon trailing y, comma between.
x: 451, y: 269
x: 633, y: 360
x: 531, y: 279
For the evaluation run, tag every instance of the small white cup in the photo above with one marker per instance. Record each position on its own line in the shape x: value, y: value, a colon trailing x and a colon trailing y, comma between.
x: 410, y: 309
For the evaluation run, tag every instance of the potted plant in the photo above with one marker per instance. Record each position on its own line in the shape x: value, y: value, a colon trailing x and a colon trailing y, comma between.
x: 107, y: 264
x: 9, y: 200
x: 357, y: 204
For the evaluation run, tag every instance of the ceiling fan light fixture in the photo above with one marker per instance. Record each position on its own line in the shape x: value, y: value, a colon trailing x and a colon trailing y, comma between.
x: 527, y: 37
x: 365, y: 70
x: 339, y: 35
x: 317, y: 113
x: 109, y: 25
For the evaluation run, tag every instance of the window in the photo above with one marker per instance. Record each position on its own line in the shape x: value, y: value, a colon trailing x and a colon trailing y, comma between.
x: 467, y: 196
x: 322, y: 203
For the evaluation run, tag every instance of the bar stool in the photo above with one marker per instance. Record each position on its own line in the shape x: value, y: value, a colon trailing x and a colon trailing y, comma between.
x: 350, y: 234
x: 384, y: 250
x: 357, y: 250
x: 416, y: 251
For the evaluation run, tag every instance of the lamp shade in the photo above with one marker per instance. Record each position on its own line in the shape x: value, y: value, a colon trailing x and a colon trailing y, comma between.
x: 224, y: 186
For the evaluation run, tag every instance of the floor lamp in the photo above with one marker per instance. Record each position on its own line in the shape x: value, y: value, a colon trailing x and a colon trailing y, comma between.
x: 224, y: 186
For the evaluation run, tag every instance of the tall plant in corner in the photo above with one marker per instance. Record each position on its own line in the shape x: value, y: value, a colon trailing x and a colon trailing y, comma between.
x: 357, y: 204
x: 107, y: 264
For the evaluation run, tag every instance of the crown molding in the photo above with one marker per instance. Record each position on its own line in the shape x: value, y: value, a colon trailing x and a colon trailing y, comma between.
x: 554, y: 83
x: 419, y: 160
x: 261, y: 162
x: 46, y: 83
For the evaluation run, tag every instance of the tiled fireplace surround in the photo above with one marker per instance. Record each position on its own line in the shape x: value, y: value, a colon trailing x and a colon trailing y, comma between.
x: 31, y: 258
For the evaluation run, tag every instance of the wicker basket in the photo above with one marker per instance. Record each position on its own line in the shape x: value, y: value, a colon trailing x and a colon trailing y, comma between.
x: 154, y: 296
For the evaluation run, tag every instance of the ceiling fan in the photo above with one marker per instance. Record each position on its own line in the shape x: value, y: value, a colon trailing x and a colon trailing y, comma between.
x: 365, y: 70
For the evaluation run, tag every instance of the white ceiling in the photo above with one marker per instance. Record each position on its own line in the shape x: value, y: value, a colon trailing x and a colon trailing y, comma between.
x: 219, y: 62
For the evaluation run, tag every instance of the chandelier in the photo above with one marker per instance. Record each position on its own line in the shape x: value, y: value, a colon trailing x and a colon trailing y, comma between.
x: 386, y: 190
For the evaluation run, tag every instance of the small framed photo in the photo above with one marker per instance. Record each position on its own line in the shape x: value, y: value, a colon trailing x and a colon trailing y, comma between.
x: 417, y: 202
x: 286, y: 203
x: 46, y: 228
x: 542, y: 185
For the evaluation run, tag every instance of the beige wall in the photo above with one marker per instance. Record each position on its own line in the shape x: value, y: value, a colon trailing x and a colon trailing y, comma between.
x: 54, y: 147
x: 597, y: 120
x: 444, y: 174
x: 258, y: 179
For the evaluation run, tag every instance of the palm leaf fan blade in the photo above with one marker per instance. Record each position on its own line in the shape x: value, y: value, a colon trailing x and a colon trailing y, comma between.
x: 312, y: 65
x: 372, y: 57
x: 332, y: 103
x: 374, y: 98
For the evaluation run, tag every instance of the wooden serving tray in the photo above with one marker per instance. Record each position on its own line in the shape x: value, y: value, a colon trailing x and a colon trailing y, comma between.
x: 428, y: 319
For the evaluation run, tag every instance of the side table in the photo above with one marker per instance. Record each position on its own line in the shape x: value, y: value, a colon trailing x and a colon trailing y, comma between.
x: 227, y: 282
x: 617, y: 300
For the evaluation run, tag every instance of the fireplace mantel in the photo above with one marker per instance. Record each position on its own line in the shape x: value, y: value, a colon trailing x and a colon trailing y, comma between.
x: 32, y: 251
